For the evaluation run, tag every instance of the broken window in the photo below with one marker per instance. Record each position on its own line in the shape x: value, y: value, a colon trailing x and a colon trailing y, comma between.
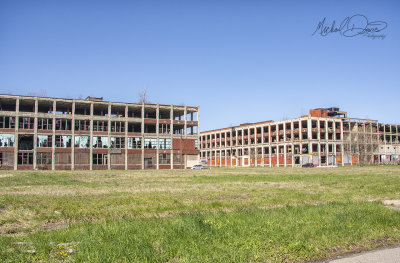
x: 7, y: 140
x: 150, y: 143
x: 134, y: 143
x: 165, y: 143
x: 100, y: 142
x: 117, y: 142
x: 44, y: 141
x: 82, y: 141
x: 63, y: 141
x: 82, y: 108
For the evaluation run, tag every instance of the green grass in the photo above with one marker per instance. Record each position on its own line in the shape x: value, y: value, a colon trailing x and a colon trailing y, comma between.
x: 219, y: 215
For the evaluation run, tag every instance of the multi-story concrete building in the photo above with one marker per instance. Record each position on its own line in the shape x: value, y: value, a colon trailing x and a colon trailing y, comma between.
x: 49, y: 133
x: 325, y: 137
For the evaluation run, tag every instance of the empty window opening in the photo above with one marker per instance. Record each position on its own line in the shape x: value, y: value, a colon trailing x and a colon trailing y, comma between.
x: 135, y: 112
x: 82, y: 108
x: 25, y: 142
x: 150, y: 113
x: 8, y: 104
x: 134, y: 127
x: 100, y: 109
x: 117, y: 111
x: 150, y: 128
x: 27, y: 105
x: 63, y: 107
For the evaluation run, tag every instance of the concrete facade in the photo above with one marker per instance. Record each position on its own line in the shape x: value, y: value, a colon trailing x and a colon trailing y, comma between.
x: 92, y: 134
x: 325, y: 137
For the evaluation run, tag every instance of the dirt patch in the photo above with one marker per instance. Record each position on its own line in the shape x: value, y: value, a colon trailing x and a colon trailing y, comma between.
x: 392, y: 204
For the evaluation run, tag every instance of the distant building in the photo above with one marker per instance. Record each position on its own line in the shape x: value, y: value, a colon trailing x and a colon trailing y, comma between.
x: 92, y: 134
x: 325, y: 137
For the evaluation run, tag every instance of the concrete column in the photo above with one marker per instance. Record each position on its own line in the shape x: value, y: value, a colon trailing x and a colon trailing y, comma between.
x: 342, y: 140
x: 91, y: 137
x: 53, y: 138
x: 142, y: 135
x: 157, y: 134
x: 73, y: 136
x: 109, y: 136
x: 126, y: 137
x: 171, y: 117
x: 35, y: 124
x: 270, y: 151
x: 16, y: 135
x: 185, y: 126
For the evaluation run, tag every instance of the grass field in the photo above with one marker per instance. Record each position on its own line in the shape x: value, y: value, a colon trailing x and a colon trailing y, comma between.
x: 218, y: 215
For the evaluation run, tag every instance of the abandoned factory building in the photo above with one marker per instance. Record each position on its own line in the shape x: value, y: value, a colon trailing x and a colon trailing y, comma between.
x: 325, y: 137
x: 92, y: 134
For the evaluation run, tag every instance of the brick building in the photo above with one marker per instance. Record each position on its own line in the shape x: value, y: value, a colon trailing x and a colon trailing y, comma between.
x: 92, y: 134
x: 325, y: 137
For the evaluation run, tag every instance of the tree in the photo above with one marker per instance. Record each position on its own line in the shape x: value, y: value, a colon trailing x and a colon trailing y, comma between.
x: 142, y: 96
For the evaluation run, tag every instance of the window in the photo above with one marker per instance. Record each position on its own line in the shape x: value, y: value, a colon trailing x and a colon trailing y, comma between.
x: 150, y: 143
x: 63, y: 125
x: 26, y: 123
x: 63, y: 141
x: 25, y: 158
x: 117, y: 126
x: 7, y: 122
x: 164, y: 143
x: 117, y: 142
x: 43, y: 158
x: 44, y: 141
x: 100, y: 142
x: 7, y: 140
x: 45, y: 124
x: 82, y: 141
x: 100, y: 158
x: 100, y: 125
x: 196, y: 144
x: 134, y: 143
x: 82, y: 125
x: 164, y: 158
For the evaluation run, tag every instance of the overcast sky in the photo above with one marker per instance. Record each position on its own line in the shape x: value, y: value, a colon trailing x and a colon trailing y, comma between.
x: 240, y: 61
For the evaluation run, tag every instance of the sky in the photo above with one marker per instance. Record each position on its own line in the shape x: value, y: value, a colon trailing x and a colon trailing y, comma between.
x: 240, y: 61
